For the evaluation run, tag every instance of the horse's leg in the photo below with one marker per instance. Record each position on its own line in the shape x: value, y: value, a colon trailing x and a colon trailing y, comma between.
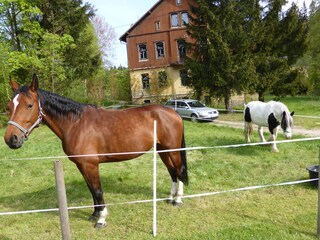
x: 273, y: 137
x: 260, y: 131
x: 247, y: 131
x: 90, y: 172
x: 176, y: 187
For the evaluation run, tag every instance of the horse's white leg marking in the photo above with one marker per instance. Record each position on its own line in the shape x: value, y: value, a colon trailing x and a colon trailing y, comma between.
x: 260, y: 131
x: 102, y: 216
x: 180, y: 192
x: 15, y: 103
x: 273, y: 138
x: 173, y: 191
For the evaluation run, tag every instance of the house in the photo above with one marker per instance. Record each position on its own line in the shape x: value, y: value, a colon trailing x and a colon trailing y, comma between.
x: 156, y: 52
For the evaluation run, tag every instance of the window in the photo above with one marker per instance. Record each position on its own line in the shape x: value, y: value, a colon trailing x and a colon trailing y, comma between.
x: 179, y: 19
x: 159, y: 50
x: 163, y: 79
x: 143, y: 53
x: 184, y: 18
x: 174, y: 20
x: 145, y: 81
x: 157, y: 25
x: 181, y: 49
x: 184, y: 77
x: 178, y: 2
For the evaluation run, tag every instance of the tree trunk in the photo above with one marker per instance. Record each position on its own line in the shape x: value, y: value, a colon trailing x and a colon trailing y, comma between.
x: 261, y: 96
x: 227, y: 103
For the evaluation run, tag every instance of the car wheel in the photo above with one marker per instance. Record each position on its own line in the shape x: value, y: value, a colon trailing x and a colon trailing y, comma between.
x: 194, y: 118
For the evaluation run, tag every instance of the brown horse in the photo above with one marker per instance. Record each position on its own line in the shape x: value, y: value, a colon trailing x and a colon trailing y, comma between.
x: 87, y: 129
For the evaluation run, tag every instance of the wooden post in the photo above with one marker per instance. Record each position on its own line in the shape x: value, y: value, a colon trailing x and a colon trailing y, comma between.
x: 318, y: 228
x: 62, y: 201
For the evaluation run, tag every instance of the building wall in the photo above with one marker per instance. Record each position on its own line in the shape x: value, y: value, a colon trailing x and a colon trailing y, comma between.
x: 155, y: 94
x: 145, y: 32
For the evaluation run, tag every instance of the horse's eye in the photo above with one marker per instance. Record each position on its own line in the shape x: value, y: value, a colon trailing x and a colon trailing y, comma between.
x: 30, y: 106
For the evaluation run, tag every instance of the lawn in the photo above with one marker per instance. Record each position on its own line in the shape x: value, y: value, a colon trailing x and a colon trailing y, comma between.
x: 288, y: 212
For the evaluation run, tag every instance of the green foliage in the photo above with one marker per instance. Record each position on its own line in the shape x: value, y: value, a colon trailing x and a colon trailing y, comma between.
x: 118, y: 85
x: 313, y: 54
x: 56, y: 40
x: 238, y: 46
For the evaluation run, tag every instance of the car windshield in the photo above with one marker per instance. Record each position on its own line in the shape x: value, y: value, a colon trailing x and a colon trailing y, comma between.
x: 195, y: 104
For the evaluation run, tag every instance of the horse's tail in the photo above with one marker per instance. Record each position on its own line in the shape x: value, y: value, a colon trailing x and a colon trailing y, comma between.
x: 248, y: 129
x: 184, y: 169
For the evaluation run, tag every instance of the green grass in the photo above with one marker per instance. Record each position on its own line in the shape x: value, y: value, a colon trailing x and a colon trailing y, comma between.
x: 288, y: 212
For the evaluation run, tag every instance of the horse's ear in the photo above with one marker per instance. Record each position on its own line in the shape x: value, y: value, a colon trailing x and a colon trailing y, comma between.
x: 292, y: 113
x: 34, y: 83
x: 14, y: 85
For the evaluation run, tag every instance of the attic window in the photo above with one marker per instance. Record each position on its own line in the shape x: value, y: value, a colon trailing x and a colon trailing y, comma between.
x: 157, y: 25
x: 184, y: 18
x: 174, y: 20
x: 178, y: 2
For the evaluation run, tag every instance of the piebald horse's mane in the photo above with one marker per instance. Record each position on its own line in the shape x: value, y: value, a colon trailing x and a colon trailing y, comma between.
x: 57, y: 106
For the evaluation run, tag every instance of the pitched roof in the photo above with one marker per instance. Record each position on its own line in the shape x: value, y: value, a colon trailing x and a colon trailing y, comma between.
x: 123, y: 37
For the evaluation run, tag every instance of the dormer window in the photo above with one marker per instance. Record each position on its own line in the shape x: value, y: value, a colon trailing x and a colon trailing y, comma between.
x: 178, y: 2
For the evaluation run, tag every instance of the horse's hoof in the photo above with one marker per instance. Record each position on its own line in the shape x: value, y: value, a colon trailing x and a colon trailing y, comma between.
x: 100, y: 225
x: 177, y: 204
x: 170, y: 201
x: 93, y: 218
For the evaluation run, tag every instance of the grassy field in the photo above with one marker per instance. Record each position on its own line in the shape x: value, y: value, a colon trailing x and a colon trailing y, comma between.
x: 288, y: 212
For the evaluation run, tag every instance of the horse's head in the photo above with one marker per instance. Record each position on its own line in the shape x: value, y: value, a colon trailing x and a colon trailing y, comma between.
x: 25, y: 113
x: 287, y: 124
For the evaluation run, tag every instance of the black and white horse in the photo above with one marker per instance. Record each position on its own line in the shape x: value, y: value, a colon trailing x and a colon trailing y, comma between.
x: 272, y: 115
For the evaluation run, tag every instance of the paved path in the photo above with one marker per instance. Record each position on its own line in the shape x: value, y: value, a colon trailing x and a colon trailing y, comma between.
x: 296, y: 130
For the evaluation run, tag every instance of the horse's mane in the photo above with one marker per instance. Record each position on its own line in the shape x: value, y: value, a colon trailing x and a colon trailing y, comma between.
x: 59, y: 106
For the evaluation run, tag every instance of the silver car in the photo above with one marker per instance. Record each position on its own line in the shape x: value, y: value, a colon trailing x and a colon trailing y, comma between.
x: 193, y: 109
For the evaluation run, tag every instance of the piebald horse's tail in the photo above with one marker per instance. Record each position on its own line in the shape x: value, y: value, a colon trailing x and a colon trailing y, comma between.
x: 248, y: 128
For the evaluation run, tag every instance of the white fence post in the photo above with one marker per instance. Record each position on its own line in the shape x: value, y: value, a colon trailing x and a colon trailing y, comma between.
x: 154, y: 229
x: 62, y: 201
x: 318, y: 223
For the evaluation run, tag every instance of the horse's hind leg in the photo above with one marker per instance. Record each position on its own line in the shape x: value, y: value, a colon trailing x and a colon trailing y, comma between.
x: 247, y: 126
x: 260, y: 131
x: 176, y: 192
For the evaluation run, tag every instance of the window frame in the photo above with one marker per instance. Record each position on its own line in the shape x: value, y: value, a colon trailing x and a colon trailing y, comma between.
x: 157, y: 51
x: 184, y: 23
x: 145, y: 80
x: 177, y: 19
x: 158, y: 25
x: 145, y: 53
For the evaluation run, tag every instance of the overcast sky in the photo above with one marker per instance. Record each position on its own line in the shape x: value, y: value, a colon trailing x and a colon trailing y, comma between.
x: 121, y: 14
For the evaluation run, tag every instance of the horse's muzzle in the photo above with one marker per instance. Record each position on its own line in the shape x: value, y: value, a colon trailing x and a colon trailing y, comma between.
x: 15, y: 141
